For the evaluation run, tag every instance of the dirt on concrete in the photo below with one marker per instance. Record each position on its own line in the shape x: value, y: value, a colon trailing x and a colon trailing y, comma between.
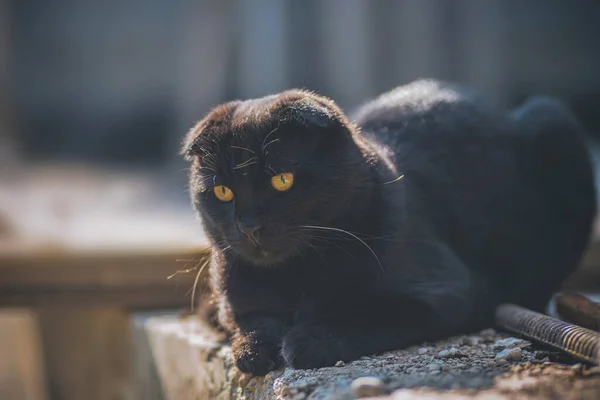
x: 487, y: 365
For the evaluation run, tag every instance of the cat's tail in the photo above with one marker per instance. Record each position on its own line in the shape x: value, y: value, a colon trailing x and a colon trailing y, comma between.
x: 557, y: 154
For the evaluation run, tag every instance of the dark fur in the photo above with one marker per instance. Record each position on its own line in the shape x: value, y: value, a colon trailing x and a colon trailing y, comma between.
x: 493, y: 207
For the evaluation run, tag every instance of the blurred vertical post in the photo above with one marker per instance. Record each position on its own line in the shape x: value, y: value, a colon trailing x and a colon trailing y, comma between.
x: 420, y: 39
x: 486, y: 53
x: 21, y: 364
x: 89, y: 352
x: 7, y: 150
x: 346, y: 61
x: 262, y: 67
x: 203, y: 54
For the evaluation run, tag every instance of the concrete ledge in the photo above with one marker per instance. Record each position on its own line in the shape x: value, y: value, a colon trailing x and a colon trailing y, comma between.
x: 194, y: 363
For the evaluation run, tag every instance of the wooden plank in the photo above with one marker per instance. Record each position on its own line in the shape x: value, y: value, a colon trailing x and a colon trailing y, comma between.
x: 129, y: 281
x: 84, y: 301
x: 21, y: 361
x: 89, y: 353
x: 139, y: 299
x: 101, y: 271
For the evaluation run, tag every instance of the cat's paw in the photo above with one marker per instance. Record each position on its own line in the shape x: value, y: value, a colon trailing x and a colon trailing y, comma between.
x: 257, y: 361
x: 312, y: 346
x: 255, y: 356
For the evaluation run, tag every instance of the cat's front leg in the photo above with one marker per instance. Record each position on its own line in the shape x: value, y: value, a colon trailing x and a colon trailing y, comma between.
x: 349, y: 336
x: 256, y: 344
x: 436, y: 299
x: 256, y: 319
x: 256, y: 335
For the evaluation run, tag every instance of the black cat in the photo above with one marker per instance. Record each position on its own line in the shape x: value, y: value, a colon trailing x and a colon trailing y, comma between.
x: 334, y: 240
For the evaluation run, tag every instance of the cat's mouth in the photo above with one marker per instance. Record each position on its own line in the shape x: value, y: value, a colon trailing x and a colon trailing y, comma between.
x: 261, y: 256
x: 264, y: 253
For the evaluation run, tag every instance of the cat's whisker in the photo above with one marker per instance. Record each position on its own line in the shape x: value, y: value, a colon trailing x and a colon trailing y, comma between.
x: 243, y: 148
x: 185, y: 269
x: 367, y: 236
x: 319, y: 254
x: 192, y: 300
x: 320, y: 239
x: 327, y: 228
x: 267, y: 137
x: 394, y: 180
x: 181, y: 271
x: 247, y: 163
x: 364, y: 235
x: 384, y: 238
x: 271, y: 142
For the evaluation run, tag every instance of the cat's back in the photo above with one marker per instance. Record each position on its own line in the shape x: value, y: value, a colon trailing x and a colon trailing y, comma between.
x: 488, y: 181
x: 447, y: 140
x: 428, y: 108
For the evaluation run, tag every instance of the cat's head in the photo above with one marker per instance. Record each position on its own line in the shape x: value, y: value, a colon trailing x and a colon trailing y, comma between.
x: 263, y: 170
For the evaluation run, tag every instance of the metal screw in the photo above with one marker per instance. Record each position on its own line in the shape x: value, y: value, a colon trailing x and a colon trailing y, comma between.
x: 579, y: 342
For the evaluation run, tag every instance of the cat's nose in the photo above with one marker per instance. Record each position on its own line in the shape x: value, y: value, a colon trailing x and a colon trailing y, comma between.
x: 251, y: 230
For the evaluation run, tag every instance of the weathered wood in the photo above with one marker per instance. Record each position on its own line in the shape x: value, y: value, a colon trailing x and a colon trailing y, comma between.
x: 138, y: 281
x: 92, y: 349
x: 21, y: 362
x: 108, y: 269
x: 89, y: 353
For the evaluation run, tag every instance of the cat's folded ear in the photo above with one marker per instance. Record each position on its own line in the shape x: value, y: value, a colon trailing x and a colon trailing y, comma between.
x: 191, y: 145
x: 309, y: 113
x: 197, y: 136
x: 309, y: 109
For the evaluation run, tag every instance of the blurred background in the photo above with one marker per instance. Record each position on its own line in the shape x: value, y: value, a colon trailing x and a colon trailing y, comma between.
x: 112, y: 86
x: 95, y: 97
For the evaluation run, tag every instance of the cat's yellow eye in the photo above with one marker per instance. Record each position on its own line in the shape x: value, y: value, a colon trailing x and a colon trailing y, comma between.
x: 223, y: 193
x: 282, y: 182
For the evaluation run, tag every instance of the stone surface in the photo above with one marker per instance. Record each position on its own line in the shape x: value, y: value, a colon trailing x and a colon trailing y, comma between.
x: 511, y: 342
x: 511, y: 354
x: 452, y: 352
x: 193, y: 363
x: 367, y: 386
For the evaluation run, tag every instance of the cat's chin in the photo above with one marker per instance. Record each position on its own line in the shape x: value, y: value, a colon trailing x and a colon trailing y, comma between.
x: 263, y: 257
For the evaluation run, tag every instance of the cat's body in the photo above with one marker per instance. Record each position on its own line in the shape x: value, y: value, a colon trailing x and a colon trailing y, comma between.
x: 412, y: 230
